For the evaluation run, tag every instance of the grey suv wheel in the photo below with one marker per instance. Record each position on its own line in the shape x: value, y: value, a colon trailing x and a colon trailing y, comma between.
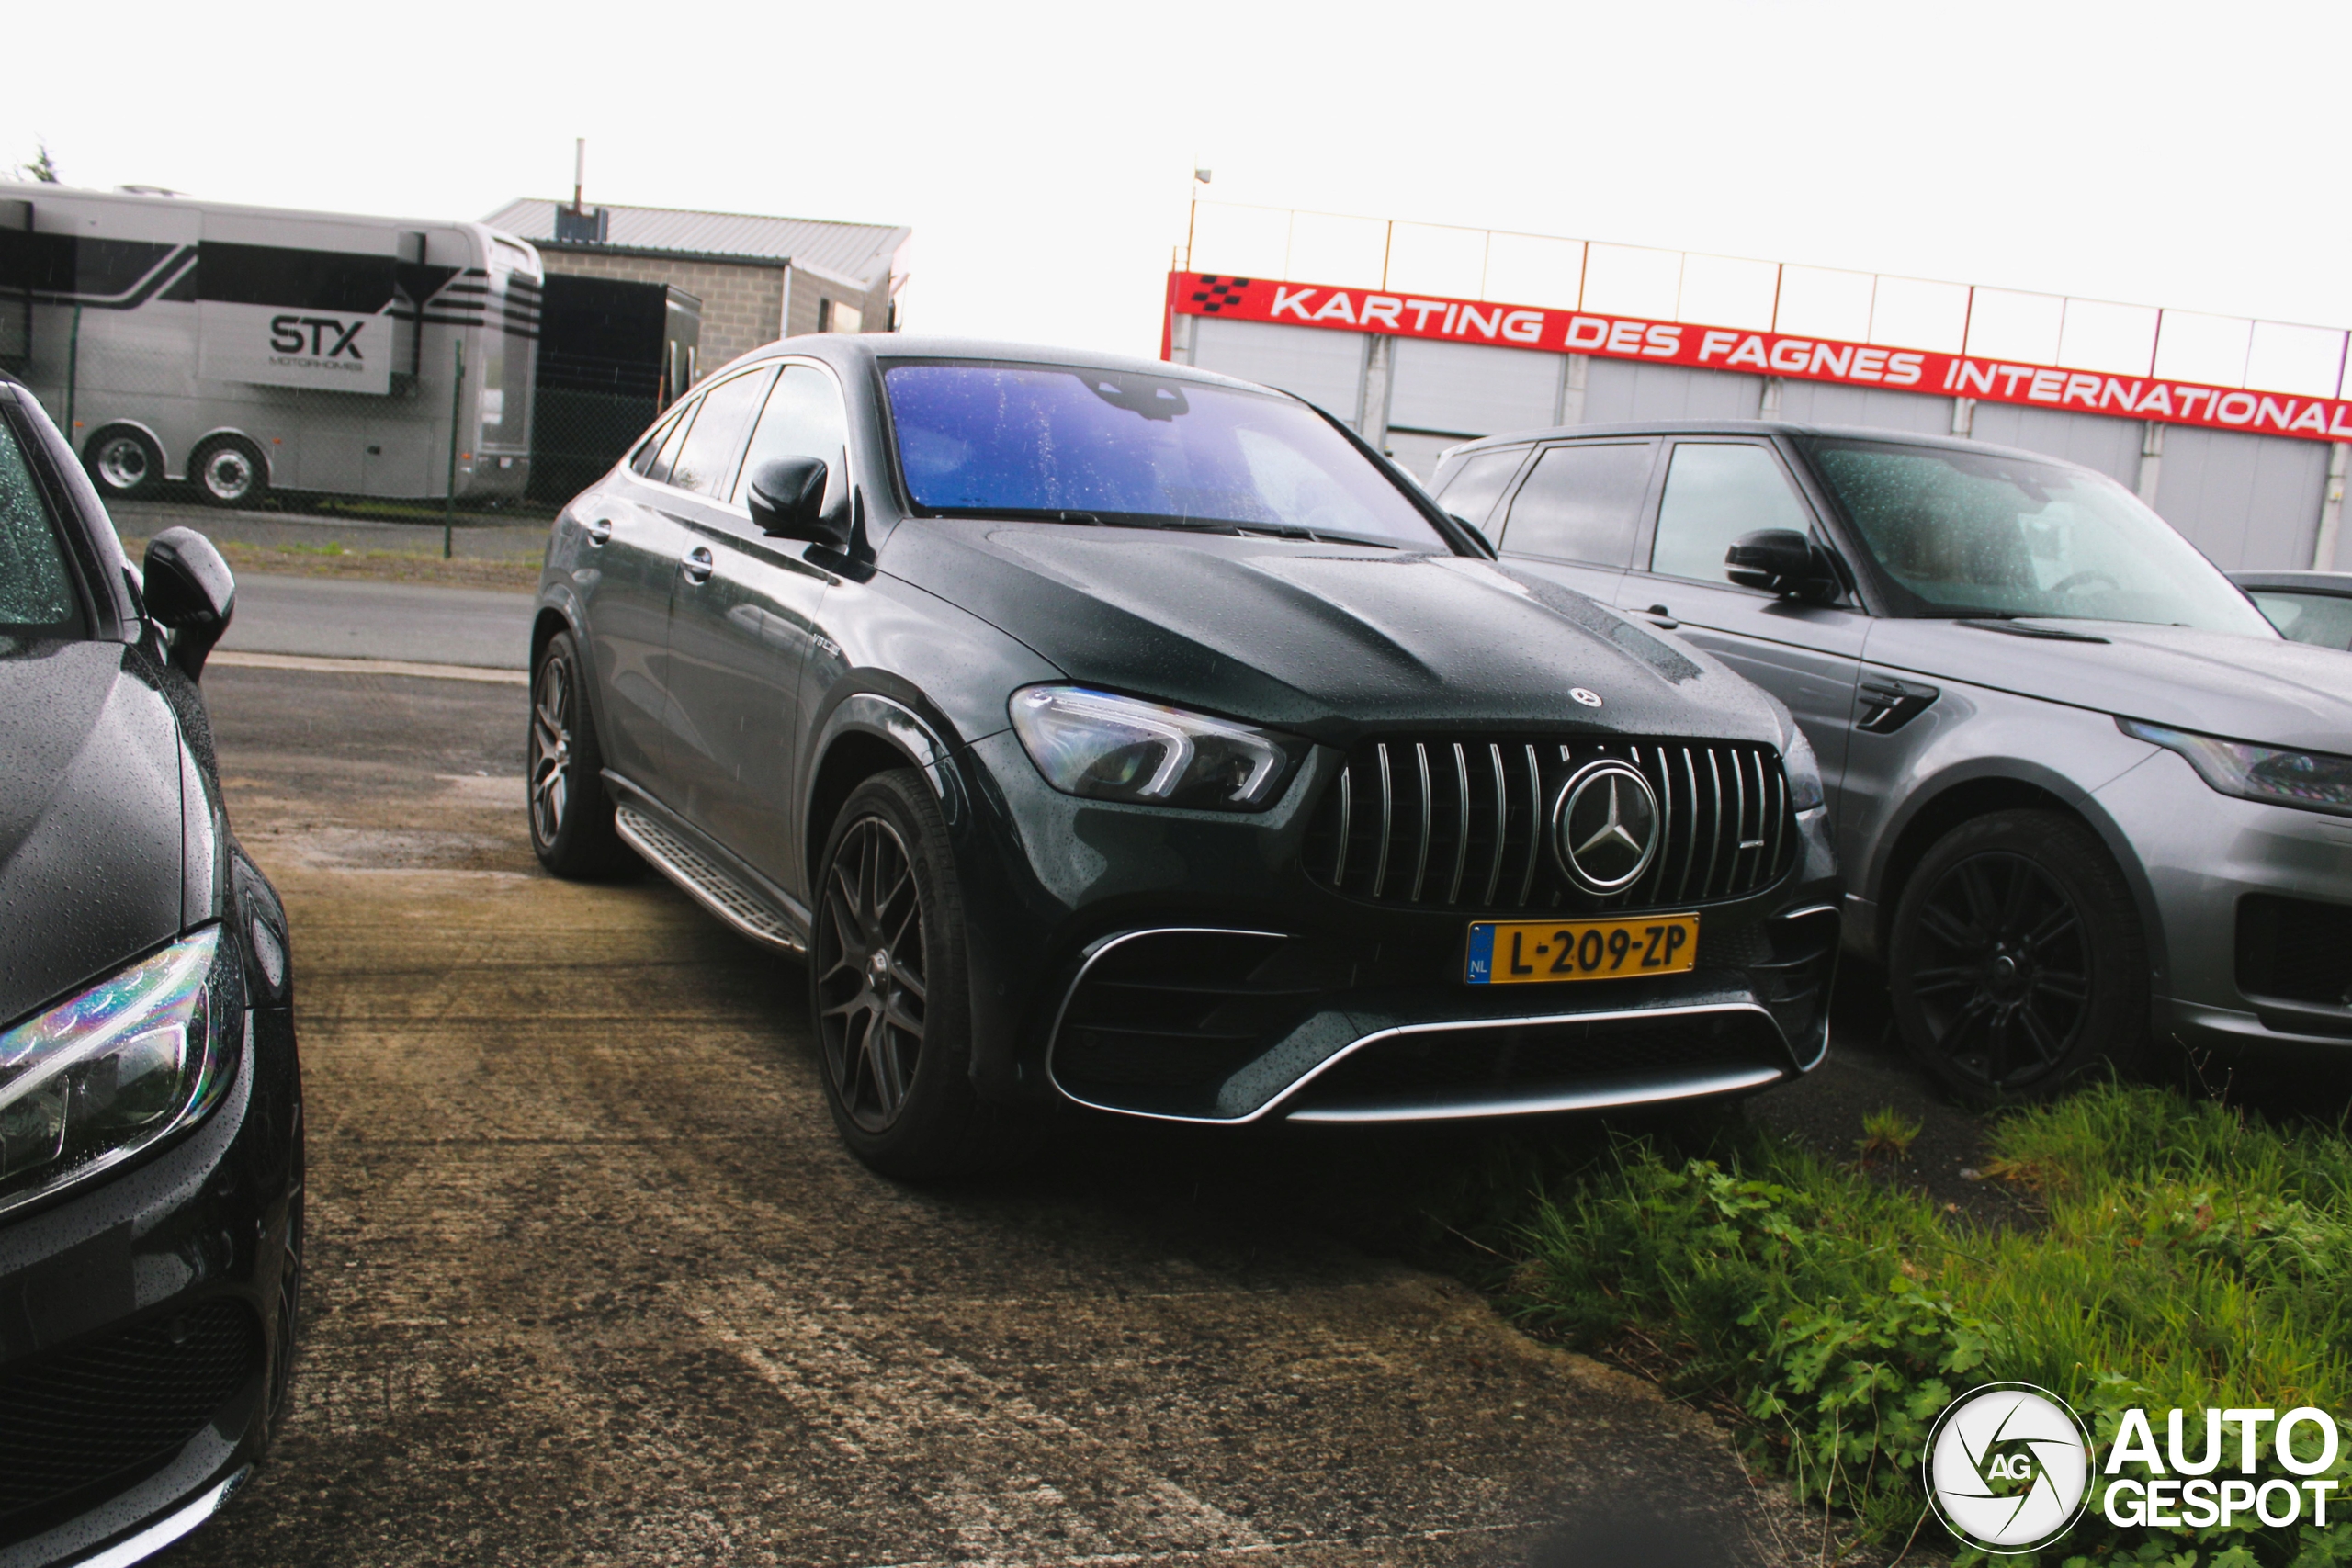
x: 2016, y: 960
x: 571, y: 813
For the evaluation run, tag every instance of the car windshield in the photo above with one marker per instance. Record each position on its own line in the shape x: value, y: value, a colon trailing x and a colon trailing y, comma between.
x: 1967, y: 533
x: 1122, y: 447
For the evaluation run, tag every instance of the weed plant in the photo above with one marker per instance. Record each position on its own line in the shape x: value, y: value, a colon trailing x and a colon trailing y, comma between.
x: 2189, y: 1257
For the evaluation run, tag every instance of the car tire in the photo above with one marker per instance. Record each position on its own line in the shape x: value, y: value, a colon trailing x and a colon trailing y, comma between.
x: 888, y: 992
x: 2015, y: 962
x: 228, y: 470
x: 569, y: 809
x: 123, y: 461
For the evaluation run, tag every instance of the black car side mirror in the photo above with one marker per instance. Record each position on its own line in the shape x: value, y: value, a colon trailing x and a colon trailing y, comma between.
x: 1782, y: 561
x: 191, y: 594
x: 785, y: 497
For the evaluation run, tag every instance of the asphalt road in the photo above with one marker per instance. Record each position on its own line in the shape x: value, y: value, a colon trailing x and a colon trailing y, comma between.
x: 592, y: 1282
x: 337, y: 619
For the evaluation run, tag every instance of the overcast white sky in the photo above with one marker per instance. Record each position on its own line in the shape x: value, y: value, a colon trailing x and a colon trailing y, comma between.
x: 2190, y: 157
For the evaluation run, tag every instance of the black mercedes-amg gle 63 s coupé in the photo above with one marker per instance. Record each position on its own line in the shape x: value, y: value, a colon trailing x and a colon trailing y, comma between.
x: 150, y: 1124
x: 1105, y: 731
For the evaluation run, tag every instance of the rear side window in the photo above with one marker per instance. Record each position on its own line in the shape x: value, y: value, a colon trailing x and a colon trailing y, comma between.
x: 1582, y: 503
x: 1472, y: 486
x: 36, y: 586
x: 706, y: 464
x: 1714, y: 493
x: 649, y: 452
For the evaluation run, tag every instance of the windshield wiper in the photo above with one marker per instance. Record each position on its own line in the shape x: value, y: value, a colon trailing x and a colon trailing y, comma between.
x: 1166, y: 522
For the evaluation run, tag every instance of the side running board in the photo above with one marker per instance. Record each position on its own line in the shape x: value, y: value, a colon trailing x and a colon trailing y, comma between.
x: 705, y: 883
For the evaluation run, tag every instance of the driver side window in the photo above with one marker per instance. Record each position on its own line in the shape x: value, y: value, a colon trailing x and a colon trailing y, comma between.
x: 803, y: 419
x: 1716, y: 491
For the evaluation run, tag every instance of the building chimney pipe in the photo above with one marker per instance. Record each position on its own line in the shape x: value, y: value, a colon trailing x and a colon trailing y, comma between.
x: 578, y: 169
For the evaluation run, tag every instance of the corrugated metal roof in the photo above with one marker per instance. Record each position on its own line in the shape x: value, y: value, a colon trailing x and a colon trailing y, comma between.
x: 860, y: 251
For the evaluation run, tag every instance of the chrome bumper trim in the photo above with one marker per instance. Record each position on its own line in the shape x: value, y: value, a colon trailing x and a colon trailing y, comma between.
x: 1600, y: 1096
x: 167, y: 1530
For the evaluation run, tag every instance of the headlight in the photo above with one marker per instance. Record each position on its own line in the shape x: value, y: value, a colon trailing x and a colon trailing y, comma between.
x: 1112, y: 748
x: 1804, y: 770
x: 115, y: 1068
x: 2313, y: 780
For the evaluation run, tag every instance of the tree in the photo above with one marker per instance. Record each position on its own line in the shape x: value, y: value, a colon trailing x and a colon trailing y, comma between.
x: 43, y: 168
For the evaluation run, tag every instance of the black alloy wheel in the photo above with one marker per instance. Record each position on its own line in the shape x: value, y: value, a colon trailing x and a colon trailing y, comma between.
x: 888, y: 993
x: 124, y: 461
x: 229, y: 471
x: 2016, y: 960
x: 572, y: 815
x: 871, y: 974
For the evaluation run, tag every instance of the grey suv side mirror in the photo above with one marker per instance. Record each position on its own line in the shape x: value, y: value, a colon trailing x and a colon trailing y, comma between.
x: 190, y: 593
x: 1782, y: 561
x: 785, y: 498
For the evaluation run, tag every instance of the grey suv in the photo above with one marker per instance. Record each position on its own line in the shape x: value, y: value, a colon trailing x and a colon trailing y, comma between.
x: 2084, y: 793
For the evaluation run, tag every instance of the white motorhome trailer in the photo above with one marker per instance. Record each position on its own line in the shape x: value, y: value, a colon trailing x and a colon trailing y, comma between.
x: 245, y: 347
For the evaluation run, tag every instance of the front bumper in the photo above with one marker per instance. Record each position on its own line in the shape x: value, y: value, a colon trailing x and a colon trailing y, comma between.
x: 141, y: 1320
x: 1181, y: 965
x: 2206, y: 857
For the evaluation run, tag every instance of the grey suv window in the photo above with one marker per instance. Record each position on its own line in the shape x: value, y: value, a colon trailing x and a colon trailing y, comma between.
x: 1582, y: 503
x: 1715, y: 492
x: 1477, y: 482
x: 706, y: 464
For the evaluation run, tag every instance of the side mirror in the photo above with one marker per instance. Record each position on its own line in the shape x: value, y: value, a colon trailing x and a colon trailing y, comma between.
x: 785, y: 496
x: 190, y: 593
x: 1782, y: 561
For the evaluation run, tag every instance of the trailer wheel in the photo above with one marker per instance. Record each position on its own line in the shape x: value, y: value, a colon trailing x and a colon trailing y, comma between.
x: 123, y: 461
x: 229, y: 471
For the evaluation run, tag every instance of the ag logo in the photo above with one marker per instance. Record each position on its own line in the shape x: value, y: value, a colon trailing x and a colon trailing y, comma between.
x: 2008, y: 1467
x: 1605, y: 827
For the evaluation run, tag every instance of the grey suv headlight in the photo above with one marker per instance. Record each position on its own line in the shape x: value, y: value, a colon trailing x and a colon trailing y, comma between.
x: 1113, y: 747
x: 2312, y: 780
x: 109, y: 1070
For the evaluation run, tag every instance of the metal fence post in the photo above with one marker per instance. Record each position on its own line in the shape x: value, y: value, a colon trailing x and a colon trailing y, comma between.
x: 449, y: 506
x: 73, y: 367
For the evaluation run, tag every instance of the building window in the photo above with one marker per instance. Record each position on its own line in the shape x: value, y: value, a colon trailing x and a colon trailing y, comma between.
x: 833, y: 316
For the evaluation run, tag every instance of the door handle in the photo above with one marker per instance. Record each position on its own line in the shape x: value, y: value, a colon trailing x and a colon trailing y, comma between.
x: 698, y: 565
x: 599, y: 531
x: 1663, y: 618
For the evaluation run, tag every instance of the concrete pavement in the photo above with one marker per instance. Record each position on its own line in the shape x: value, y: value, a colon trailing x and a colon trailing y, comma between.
x: 328, y: 618
x: 592, y: 1281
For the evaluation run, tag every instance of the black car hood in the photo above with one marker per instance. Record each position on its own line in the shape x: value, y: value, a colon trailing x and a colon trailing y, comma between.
x: 90, y: 819
x: 1322, y: 639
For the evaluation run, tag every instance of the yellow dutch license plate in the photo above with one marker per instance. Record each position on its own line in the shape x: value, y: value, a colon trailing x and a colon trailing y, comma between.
x: 1520, y: 953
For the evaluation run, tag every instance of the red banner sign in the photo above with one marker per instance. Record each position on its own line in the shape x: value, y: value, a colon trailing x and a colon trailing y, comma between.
x: 1758, y: 353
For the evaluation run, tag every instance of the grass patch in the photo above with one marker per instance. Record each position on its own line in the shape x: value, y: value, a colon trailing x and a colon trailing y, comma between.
x: 334, y: 559
x: 2191, y: 1256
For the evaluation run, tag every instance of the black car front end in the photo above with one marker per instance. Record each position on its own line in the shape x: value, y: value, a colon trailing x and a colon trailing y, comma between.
x: 1312, y: 962
x: 151, y: 1125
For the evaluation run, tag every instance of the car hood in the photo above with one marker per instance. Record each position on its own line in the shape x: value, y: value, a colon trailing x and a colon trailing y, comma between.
x: 90, y: 819
x: 2245, y: 688
x: 1325, y: 640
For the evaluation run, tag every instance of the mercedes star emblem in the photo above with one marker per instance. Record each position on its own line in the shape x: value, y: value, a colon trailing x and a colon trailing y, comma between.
x: 1605, y: 827
x: 1586, y: 695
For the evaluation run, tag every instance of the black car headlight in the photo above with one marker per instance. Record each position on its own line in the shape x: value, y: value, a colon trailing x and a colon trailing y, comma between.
x: 2310, y: 781
x: 105, y: 1072
x: 1113, y: 747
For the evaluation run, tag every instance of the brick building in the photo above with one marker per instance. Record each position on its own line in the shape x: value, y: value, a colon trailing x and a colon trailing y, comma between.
x: 757, y: 278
